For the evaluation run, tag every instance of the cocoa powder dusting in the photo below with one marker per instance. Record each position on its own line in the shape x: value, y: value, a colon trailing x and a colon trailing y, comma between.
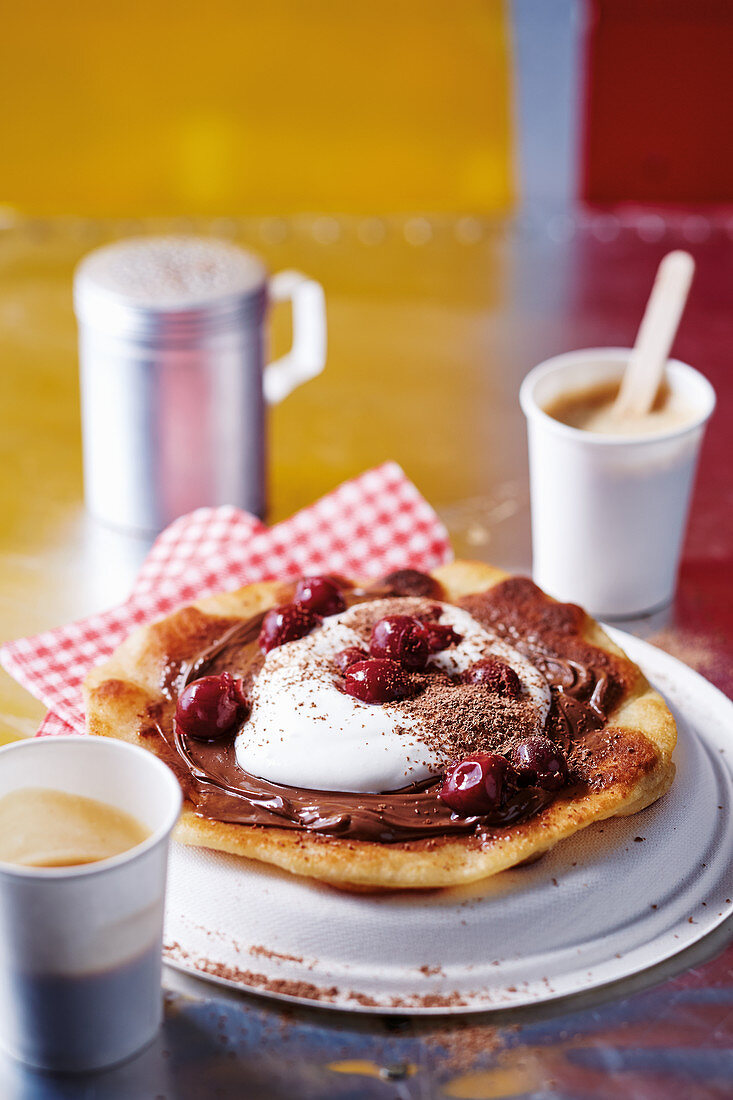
x: 279, y: 986
x: 365, y: 616
x: 539, y: 627
x: 695, y: 651
x: 468, y: 718
x: 300, y: 989
x: 262, y: 952
x: 611, y: 756
x: 458, y: 719
x: 459, y: 1044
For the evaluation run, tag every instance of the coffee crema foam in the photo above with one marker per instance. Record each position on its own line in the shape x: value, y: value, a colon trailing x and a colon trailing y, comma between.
x: 591, y: 409
x: 42, y: 827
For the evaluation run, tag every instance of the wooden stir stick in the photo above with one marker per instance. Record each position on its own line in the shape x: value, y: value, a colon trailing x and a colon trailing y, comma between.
x: 657, y: 331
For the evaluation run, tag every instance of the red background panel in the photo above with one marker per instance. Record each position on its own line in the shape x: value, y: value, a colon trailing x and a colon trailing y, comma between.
x: 658, y: 123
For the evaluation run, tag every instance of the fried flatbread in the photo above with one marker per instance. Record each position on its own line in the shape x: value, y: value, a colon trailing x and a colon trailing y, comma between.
x: 630, y: 762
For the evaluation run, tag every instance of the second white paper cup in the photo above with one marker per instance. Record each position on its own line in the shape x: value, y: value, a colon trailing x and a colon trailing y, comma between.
x: 609, y: 512
x: 80, y: 947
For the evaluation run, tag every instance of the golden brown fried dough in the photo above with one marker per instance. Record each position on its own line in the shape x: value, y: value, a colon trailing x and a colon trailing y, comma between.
x: 637, y: 772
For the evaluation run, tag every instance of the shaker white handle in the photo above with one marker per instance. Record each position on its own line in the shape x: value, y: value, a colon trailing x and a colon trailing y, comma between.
x: 307, y: 356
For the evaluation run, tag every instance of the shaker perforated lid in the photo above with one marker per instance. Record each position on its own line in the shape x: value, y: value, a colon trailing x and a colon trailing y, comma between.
x: 168, y: 286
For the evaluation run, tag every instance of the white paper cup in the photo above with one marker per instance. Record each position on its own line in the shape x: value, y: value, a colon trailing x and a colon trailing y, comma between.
x: 609, y: 512
x: 80, y: 947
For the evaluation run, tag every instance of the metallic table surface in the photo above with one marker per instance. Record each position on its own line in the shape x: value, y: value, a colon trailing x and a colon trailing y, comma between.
x: 432, y: 324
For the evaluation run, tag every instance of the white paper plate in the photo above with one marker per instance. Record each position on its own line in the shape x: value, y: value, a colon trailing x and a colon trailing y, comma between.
x: 599, y: 907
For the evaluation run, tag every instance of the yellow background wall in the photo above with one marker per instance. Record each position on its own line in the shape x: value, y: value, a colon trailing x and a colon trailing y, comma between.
x: 256, y: 106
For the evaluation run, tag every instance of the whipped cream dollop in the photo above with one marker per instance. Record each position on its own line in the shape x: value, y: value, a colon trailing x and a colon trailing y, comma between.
x: 303, y: 731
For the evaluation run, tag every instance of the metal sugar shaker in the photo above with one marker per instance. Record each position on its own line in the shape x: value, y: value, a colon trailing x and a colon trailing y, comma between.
x: 173, y: 377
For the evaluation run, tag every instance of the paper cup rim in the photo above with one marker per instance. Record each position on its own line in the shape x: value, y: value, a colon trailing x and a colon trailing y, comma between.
x: 533, y: 411
x: 100, y: 866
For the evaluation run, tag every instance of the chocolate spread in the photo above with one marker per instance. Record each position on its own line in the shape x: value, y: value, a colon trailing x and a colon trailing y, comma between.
x: 586, y: 682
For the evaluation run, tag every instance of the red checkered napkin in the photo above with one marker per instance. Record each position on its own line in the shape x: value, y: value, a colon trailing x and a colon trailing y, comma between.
x: 371, y: 525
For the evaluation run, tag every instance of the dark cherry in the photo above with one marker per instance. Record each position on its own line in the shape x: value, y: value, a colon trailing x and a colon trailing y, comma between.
x: 210, y: 707
x: 410, y: 582
x: 349, y: 656
x: 401, y: 638
x: 477, y: 784
x: 541, y: 763
x: 319, y: 594
x: 377, y: 680
x: 440, y: 636
x: 495, y: 676
x: 285, y: 624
